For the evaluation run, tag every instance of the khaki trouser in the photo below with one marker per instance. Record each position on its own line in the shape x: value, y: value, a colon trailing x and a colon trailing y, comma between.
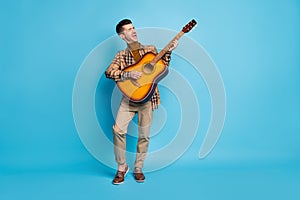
x: 126, y: 112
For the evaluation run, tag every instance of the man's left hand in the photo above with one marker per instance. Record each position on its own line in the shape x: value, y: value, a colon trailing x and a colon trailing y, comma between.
x: 173, y: 45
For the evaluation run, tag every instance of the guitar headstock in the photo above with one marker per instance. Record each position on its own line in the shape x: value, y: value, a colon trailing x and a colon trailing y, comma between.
x: 189, y: 26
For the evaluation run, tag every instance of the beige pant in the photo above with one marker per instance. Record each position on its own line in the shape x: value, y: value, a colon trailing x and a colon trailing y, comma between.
x: 126, y: 112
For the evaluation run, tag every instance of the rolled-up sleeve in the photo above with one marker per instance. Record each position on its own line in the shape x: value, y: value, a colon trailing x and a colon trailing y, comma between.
x: 114, y: 70
x: 167, y: 58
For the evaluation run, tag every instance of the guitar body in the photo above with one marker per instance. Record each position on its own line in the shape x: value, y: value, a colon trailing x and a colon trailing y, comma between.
x: 141, y: 90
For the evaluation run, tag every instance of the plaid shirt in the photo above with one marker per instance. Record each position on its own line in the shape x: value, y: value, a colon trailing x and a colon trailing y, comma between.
x: 124, y: 58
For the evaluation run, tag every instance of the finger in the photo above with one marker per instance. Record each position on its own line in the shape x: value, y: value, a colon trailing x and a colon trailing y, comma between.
x: 139, y: 73
x: 138, y: 76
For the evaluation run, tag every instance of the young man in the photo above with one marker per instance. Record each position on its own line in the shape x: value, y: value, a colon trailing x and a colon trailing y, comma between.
x: 128, y: 109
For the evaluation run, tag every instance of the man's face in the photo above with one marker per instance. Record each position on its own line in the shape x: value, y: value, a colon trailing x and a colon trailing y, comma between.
x: 129, y: 34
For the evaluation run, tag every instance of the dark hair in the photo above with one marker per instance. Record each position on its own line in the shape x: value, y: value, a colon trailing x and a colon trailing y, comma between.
x: 119, y: 27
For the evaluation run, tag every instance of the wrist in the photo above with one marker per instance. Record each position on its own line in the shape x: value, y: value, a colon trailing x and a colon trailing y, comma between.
x: 125, y: 75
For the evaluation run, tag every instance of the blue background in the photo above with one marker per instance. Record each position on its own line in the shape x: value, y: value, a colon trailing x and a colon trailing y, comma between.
x: 255, y: 45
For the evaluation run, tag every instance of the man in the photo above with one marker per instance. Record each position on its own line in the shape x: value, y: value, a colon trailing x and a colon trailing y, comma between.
x: 128, y: 109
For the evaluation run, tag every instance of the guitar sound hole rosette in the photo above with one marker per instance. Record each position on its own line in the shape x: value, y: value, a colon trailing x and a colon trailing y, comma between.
x: 148, y: 68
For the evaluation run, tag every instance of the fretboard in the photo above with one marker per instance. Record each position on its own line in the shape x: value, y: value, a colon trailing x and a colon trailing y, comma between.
x: 166, y: 48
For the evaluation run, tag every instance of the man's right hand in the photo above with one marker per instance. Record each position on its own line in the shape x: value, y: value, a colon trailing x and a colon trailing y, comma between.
x: 135, y: 75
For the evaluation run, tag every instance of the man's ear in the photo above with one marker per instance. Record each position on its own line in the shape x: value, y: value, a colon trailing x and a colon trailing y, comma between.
x: 122, y: 36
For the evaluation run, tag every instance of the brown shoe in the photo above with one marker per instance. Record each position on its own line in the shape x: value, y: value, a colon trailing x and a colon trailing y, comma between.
x: 119, y: 178
x: 139, y: 177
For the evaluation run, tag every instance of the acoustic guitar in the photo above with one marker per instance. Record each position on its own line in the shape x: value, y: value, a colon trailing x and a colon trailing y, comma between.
x: 153, y: 70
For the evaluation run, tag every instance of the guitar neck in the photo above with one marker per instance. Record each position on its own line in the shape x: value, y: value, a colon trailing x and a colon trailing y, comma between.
x: 165, y: 49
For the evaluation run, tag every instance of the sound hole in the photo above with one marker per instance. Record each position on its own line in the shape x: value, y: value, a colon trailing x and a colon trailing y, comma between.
x: 148, y: 68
